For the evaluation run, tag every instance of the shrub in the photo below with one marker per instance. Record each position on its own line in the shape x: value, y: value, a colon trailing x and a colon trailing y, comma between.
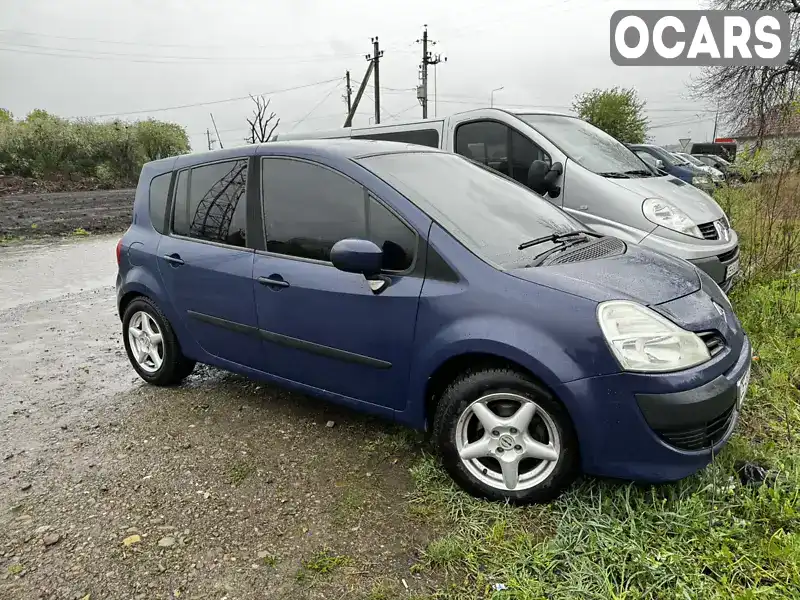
x: 43, y: 145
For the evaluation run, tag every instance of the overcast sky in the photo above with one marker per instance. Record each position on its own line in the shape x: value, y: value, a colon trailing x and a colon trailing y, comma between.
x: 103, y: 57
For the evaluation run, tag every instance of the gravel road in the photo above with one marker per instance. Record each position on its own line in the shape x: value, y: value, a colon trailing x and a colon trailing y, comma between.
x: 220, y: 488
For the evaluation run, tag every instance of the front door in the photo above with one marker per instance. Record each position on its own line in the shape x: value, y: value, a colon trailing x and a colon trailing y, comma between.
x: 205, y: 262
x: 323, y: 327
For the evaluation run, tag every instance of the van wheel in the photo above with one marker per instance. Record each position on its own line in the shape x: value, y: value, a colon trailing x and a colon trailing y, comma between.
x: 503, y: 437
x: 152, y: 346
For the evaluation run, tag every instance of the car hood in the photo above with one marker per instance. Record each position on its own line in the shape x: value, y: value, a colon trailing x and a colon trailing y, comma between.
x: 698, y: 206
x: 640, y: 274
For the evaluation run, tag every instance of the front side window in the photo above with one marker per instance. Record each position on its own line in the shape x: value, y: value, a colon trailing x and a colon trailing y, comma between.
x: 489, y: 215
x: 485, y: 142
x: 308, y: 208
x: 587, y: 145
x: 210, y: 203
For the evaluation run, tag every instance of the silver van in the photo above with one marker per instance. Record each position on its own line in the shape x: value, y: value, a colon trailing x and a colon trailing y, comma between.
x: 586, y: 172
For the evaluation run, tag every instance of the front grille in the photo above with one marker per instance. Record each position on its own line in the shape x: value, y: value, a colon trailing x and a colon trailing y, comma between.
x: 709, y: 231
x: 729, y: 255
x: 602, y: 248
x: 713, y: 341
x: 700, y: 437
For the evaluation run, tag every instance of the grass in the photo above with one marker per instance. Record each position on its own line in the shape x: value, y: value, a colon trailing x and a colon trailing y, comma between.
x: 15, y: 569
x: 323, y: 562
x: 239, y: 472
x: 709, y: 536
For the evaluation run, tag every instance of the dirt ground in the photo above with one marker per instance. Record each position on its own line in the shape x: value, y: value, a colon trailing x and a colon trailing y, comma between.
x: 33, y: 215
x: 220, y: 488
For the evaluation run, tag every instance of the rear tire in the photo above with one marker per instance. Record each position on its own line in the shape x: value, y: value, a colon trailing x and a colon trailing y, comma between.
x: 151, y: 344
x: 529, y: 443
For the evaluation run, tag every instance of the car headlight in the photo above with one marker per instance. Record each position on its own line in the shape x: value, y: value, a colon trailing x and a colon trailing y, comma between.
x: 701, y: 180
x: 644, y: 341
x: 667, y: 215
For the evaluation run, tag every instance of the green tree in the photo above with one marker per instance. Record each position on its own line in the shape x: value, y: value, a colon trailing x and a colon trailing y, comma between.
x: 5, y: 116
x: 617, y: 111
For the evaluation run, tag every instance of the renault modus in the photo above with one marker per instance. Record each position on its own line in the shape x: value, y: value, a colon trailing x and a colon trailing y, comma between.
x: 414, y: 284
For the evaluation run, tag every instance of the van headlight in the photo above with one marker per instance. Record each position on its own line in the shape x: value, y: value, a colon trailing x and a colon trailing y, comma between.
x: 701, y: 180
x: 644, y: 341
x: 667, y: 215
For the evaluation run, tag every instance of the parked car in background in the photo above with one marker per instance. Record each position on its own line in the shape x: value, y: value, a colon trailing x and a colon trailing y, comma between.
x: 675, y: 166
x: 723, y: 149
x: 584, y: 171
x: 712, y: 160
x: 416, y: 285
x: 717, y: 176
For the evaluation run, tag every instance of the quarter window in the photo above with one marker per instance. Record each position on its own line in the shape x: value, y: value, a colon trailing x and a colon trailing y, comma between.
x: 159, y: 193
x: 308, y: 208
x: 421, y: 137
x: 210, y: 203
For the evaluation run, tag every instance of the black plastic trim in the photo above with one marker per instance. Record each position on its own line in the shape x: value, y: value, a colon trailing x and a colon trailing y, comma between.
x: 285, y: 340
x: 291, y: 342
x: 690, y: 408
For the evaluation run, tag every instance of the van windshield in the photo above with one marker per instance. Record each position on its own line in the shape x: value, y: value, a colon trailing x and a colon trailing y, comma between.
x: 589, y: 146
x: 487, y: 212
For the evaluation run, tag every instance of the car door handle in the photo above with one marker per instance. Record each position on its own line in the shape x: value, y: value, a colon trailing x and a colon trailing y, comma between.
x: 273, y: 281
x: 174, y: 259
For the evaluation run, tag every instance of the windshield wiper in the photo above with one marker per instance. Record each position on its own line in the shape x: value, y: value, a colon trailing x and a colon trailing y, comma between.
x: 615, y: 175
x: 641, y: 172
x: 556, y: 237
x: 565, y: 245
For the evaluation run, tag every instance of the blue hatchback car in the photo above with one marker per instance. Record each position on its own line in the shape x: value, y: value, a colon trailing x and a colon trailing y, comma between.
x: 417, y: 285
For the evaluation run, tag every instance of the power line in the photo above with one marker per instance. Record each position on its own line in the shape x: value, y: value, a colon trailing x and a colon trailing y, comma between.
x: 318, y: 104
x: 162, y: 59
x: 210, y: 102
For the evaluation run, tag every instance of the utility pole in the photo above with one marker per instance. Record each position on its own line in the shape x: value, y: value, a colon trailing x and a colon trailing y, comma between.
x: 374, y: 60
x: 716, y: 120
x: 210, y: 141
x: 349, y: 120
x: 427, y: 59
x: 348, y: 93
x: 214, y: 123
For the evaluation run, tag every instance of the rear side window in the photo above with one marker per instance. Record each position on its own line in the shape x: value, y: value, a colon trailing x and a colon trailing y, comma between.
x: 421, y: 137
x: 308, y: 208
x: 159, y: 193
x: 210, y: 203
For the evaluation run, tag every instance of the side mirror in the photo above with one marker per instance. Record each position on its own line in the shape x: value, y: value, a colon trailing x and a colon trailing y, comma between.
x: 659, y: 164
x: 543, y: 178
x: 357, y: 256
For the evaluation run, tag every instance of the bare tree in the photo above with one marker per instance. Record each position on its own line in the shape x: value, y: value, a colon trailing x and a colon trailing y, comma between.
x: 746, y: 94
x: 261, y: 125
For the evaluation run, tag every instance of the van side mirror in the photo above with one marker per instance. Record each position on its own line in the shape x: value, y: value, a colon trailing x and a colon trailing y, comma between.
x: 543, y: 178
x: 659, y: 164
x: 353, y: 255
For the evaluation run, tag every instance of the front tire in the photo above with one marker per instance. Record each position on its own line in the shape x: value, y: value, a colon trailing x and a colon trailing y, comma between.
x: 151, y: 344
x: 503, y: 437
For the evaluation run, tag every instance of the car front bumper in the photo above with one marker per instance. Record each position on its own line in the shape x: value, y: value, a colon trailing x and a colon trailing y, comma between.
x: 657, y: 428
x: 718, y: 267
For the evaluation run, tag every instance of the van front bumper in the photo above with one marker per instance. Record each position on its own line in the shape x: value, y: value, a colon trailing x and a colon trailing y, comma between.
x: 720, y: 267
x: 657, y: 428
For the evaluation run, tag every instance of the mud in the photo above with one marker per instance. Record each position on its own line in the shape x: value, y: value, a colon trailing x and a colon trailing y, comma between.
x: 235, y: 489
x: 65, y: 213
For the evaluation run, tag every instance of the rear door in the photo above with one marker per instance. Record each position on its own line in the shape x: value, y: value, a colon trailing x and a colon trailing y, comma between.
x: 323, y: 327
x: 206, y: 262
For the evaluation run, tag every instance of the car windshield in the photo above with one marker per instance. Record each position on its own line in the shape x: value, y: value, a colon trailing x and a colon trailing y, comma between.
x: 587, y: 145
x: 663, y: 156
x: 693, y: 160
x: 487, y: 212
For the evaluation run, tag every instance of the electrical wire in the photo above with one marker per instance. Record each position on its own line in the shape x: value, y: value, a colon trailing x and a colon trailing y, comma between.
x: 318, y: 104
x: 210, y: 102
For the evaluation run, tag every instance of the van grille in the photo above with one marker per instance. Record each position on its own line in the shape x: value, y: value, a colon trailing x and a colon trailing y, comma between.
x: 602, y: 248
x: 709, y: 231
x: 729, y: 255
x: 700, y: 436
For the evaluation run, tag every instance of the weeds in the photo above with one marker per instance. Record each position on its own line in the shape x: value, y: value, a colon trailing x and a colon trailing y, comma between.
x: 709, y: 536
x: 322, y: 563
x: 239, y: 472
